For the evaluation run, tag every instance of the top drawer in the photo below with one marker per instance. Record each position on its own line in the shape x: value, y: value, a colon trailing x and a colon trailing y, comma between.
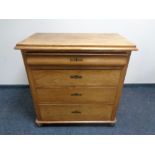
x: 79, y: 60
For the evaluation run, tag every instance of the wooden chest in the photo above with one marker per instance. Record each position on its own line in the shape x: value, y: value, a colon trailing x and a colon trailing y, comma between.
x: 76, y: 78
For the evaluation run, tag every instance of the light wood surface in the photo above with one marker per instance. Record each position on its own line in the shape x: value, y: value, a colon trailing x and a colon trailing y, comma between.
x: 75, y: 41
x: 76, y: 78
x: 58, y: 78
x: 108, y: 122
x: 104, y: 95
x: 107, y: 60
x: 76, y: 112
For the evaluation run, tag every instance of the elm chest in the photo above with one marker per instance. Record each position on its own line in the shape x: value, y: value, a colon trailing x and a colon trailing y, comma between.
x: 76, y: 77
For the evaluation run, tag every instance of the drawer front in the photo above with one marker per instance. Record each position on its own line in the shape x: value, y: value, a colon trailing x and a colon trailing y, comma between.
x: 76, y: 95
x: 50, y: 78
x: 107, y: 60
x: 85, y: 112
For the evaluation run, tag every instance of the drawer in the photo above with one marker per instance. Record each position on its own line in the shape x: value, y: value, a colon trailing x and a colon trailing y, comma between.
x: 80, y: 60
x: 76, y: 95
x: 84, y: 112
x: 51, y: 78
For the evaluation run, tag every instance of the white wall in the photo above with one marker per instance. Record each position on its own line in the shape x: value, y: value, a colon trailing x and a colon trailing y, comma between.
x: 142, y: 32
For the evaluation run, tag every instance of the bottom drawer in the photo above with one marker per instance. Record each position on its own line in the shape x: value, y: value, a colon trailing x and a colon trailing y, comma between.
x: 76, y: 112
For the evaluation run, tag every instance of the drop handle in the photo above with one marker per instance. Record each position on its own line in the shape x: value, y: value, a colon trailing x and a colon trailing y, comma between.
x: 75, y: 59
x: 75, y: 76
x: 76, y: 112
x: 76, y: 94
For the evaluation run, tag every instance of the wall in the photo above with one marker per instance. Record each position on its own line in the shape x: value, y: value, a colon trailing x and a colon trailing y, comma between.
x: 142, y: 32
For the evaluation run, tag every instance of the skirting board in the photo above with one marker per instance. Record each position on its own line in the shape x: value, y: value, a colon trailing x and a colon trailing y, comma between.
x: 27, y: 86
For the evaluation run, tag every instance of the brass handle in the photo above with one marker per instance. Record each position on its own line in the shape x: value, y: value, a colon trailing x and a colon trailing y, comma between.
x: 76, y: 94
x: 76, y: 76
x: 76, y: 112
x: 76, y: 59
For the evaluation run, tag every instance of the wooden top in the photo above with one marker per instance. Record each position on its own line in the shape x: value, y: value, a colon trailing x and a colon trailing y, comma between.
x: 76, y: 41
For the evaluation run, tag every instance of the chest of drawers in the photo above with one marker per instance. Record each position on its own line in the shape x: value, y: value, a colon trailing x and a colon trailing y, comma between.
x: 76, y: 78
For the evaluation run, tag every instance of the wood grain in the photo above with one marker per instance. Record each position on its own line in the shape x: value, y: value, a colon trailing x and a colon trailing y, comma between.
x: 65, y: 95
x: 59, y: 78
x: 76, y: 78
x: 81, y: 41
x: 78, y: 112
x: 108, y: 60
